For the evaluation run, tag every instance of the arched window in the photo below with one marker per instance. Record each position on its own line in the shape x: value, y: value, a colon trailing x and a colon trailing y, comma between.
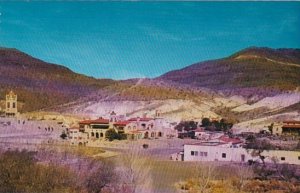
x: 92, y: 134
x: 159, y: 134
x: 101, y: 134
x: 152, y: 134
x: 97, y: 135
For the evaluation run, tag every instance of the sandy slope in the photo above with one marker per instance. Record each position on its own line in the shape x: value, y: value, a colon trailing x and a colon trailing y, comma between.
x: 275, y: 102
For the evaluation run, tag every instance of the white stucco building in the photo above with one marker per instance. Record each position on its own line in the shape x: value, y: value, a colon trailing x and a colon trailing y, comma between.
x: 222, y: 151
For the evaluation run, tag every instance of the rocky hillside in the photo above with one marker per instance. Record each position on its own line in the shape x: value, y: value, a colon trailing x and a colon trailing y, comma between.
x: 260, y: 82
x: 253, y: 71
x: 40, y: 84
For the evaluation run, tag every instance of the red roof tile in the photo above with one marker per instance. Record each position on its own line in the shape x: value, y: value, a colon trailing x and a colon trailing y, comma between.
x: 291, y: 126
x: 291, y: 122
x: 122, y: 123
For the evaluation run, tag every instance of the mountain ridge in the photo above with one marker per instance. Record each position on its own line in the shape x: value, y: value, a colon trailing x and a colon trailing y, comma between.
x: 246, y: 74
x: 41, y: 84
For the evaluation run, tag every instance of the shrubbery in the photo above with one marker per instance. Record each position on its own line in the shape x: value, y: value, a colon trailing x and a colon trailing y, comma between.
x: 111, y: 135
x: 19, y: 172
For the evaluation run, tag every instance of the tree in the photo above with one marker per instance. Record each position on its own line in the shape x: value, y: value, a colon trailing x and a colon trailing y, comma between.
x: 270, y: 127
x: 100, y: 177
x: 135, y: 173
x: 205, y: 122
x: 111, y: 135
x: 63, y: 135
x: 186, y: 126
x: 258, y: 146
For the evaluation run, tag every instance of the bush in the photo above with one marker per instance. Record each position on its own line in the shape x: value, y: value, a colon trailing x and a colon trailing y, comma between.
x: 111, y: 135
x: 19, y: 172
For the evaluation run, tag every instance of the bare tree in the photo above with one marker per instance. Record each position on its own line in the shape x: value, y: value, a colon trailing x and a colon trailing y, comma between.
x: 205, y: 174
x: 100, y: 177
x: 135, y: 170
x: 244, y: 173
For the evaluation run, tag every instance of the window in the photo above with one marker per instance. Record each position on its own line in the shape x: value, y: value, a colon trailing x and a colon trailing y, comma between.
x: 8, y: 105
x: 223, y: 155
x: 201, y: 153
x: 196, y: 153
x: 100, y: 126
x: 14, y: 105
x: 282, y: 158
x: 205, y: 154
x: 192, y: 153
x: 97, y: 135
x: 92, y: 134
x: 298, y: 157
x: 101, y: 134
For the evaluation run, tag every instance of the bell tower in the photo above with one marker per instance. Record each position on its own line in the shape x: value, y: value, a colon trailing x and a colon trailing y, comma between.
x: 11, y: 108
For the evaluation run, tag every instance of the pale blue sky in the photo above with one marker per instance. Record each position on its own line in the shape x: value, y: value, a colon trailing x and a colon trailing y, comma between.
x: 123, y: 40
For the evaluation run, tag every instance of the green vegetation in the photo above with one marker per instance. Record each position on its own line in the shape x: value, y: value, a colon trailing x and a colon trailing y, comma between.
x: 222, y: 125
x: 19, y: 172
x: 186, y: 126
x: 126, y: 91
x: 111, y: 135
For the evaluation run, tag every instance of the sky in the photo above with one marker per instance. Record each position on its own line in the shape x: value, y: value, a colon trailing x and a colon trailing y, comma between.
x: 122, y: 40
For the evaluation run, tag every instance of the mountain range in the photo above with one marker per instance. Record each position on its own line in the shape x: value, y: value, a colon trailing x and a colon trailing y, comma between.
x: 250, y: 84
x: 252, y: 71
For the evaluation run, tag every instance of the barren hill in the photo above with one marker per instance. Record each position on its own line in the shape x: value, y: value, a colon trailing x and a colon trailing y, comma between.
x: 40, y: 84
x: 260, y: 71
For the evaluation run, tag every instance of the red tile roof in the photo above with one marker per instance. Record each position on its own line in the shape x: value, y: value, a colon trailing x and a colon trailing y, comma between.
x: 291, y: 126
x: 291, y: 122
x: 122, y: 123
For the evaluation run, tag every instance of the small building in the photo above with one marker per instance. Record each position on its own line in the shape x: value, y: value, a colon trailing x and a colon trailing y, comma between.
x: 222, y: 151
x: 287, y: 128
x: 95, y: 129
x: 77, y: 137
x: 11, y: 108
x: 134, y: 128
x: 291, y: 128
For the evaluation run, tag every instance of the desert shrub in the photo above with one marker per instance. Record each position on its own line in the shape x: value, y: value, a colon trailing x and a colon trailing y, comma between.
x: 19, y: 172
x: 111, y: 135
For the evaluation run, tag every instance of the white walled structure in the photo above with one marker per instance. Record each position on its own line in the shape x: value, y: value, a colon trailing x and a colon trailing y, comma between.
x: 215, y: 151
x: 76, y: 137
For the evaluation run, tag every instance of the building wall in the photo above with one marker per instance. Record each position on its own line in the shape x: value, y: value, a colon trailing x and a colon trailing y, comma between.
x: 76, y: 137
x: 216, y: 153
x: 11, y: 104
